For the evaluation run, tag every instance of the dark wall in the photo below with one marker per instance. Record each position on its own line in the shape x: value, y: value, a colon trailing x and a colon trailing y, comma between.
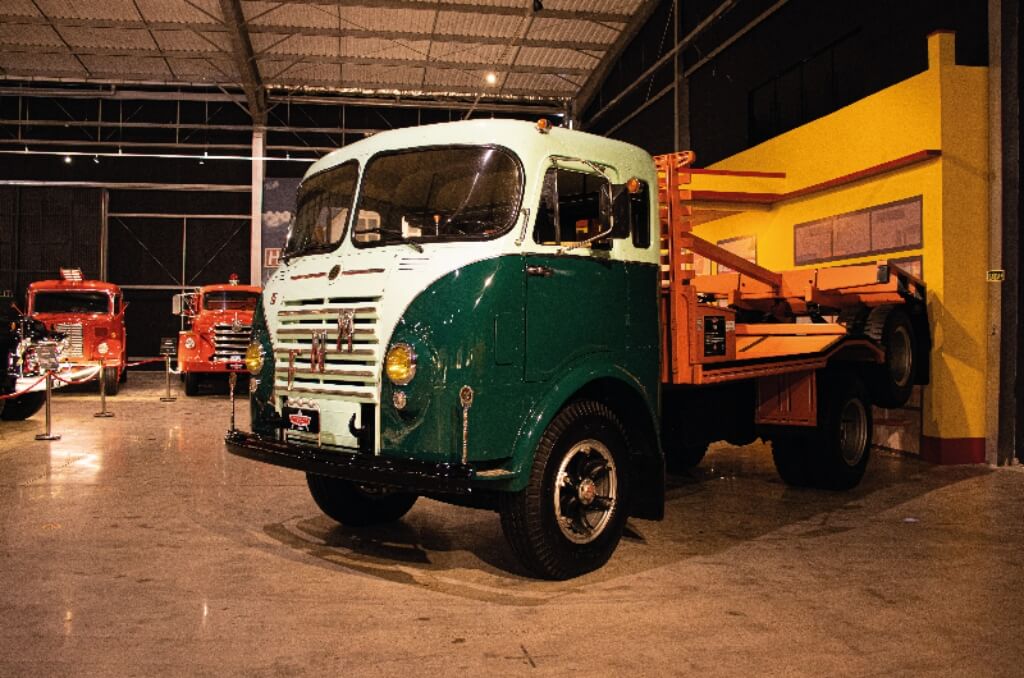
x: 806, y: 60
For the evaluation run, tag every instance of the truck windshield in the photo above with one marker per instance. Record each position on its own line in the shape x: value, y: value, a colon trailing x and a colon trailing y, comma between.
x: 230, y: 301
x: 438, y: 194
x: 71, y: 302
x: 321, y: 210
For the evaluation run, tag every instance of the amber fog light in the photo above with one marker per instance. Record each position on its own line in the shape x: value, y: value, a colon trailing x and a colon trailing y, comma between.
x: 254, y: 358
x: 400, y: 364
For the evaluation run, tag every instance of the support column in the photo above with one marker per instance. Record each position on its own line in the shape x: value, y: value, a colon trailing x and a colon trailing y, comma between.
x: 995, y: 228
x: 256, y: 236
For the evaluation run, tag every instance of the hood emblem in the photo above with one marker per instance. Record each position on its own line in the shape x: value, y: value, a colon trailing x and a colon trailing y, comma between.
x: 318, y: 351
x: 346, y: 328
x: 236, y: 325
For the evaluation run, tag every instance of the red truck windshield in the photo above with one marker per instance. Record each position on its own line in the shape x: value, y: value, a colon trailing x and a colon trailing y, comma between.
x: 230, y: 301
x: 71, y: 302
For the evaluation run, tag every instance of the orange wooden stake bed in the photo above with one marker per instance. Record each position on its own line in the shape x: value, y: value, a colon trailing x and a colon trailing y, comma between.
x: 780, y: 333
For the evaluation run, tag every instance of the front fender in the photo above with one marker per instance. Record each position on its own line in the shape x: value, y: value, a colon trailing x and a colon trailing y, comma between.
x: 587, y: 370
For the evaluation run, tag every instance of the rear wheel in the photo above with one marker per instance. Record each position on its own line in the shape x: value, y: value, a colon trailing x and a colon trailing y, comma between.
x: 191, y: 383
x: 358, y: 505
x: 569, y: 518
x: 794, y: 459
x: 110, y: 380
x: 835, y: 454
x: 844, y: 433
x: 23, y: 407
x: 893, y: 381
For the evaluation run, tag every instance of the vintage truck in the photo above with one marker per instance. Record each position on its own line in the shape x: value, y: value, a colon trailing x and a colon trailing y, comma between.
x: 216, y: 329
x: 504, y: 315
x: 90, y: 314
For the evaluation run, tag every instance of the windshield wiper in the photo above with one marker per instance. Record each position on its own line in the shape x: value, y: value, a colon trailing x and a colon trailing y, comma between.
x: 401, y: 238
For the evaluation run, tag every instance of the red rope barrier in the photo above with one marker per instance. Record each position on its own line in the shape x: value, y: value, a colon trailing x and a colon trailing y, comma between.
x: 11, y: 396
x: 144, y: 362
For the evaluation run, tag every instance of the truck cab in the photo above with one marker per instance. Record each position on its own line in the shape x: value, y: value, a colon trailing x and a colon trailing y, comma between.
x: 90, y: 314
x: 217, y: 320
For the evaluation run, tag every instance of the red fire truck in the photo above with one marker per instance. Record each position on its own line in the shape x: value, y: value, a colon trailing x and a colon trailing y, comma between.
x: 90, y: 313
x: 217, y: 322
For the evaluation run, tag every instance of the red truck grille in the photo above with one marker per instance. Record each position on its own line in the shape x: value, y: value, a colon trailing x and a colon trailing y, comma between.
x: 73, y: 331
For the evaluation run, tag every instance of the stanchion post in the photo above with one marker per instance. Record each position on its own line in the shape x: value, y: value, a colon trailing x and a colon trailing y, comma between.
x: 48, y: 435
x: 168, y: 398
x: 232, y: 381
x: 103, y: 392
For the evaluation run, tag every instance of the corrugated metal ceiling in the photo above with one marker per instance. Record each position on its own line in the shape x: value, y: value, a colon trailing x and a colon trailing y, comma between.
x: 398, y: 46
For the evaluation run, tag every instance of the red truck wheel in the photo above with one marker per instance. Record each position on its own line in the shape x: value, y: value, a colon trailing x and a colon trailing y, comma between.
x: 569, y: 518
x: 191, y: 384
x: 110, y: 380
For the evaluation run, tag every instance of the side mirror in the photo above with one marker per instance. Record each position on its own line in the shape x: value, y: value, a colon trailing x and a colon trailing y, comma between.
x: 184, y: 304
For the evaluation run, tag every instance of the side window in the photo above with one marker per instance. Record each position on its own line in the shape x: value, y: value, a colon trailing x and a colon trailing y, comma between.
x: 570, y: 204
x: 569, y: 207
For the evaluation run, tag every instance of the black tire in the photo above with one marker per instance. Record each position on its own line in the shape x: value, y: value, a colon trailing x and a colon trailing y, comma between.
x: 681, y: 458
x: 843, y: 436
x: 124, y: 375
x: 794, y: 461
x: 586, y: 446
x: 23, y: 407
x: 110, y: 380
x: 191, y: 384
x: 892, y: 382
x: 358, y: 505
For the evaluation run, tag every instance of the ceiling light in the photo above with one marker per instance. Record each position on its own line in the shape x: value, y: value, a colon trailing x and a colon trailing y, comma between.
x: 67, y: 159
x: 491, y: 78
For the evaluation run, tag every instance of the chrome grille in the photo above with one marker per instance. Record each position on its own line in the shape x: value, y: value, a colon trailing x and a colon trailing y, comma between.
x: 350, y: 374
x: 73, y: 331
x: 230, y: 342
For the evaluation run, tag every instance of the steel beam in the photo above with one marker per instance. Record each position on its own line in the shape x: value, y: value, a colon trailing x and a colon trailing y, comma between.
x: 245, y: 61
x: 469, y: 8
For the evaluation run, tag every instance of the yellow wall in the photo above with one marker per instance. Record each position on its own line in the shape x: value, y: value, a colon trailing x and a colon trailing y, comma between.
x: 944, y: 108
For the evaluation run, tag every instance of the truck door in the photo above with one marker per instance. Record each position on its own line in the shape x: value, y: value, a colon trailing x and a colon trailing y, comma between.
x: 576, y: 299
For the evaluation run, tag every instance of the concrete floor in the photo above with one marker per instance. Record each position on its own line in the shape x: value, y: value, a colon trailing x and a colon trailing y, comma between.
x: 137, y: 546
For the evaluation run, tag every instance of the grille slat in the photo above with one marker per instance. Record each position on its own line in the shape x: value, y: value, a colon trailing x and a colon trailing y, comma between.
x: 348, y: 375
x: 228, y: 342
x: 74, y: 334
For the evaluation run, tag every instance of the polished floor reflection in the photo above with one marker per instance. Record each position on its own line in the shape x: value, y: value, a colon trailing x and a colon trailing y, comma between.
x: 137, y: 546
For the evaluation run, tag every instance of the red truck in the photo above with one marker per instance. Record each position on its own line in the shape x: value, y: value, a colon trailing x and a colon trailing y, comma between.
x: 90, y: 313
x: 218, y: 319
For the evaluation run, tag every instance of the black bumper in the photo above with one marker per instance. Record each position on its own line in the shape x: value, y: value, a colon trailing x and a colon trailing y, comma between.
x: 407, y: 474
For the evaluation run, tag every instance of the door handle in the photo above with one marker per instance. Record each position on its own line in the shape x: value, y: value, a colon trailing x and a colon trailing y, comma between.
x: 540, y: 271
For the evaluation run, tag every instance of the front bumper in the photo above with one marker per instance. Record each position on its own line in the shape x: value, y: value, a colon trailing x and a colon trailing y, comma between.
x: 212, y: 367
x: 405, y: 474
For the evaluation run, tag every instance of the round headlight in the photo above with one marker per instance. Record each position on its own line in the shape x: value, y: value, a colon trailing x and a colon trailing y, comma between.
x: 254, y: 358
x: 102, y: 348
x: 400, y: 364
x: 190, y: 343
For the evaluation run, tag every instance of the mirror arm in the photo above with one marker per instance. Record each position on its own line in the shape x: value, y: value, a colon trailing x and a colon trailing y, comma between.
x: 526, y: 223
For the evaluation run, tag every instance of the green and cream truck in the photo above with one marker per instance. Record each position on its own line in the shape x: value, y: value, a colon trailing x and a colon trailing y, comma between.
x: 501, y: 314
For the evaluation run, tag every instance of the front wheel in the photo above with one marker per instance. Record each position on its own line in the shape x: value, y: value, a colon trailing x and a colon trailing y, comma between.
x: 23, y: 407
x: 358, y: 505
x: 569, y: 518
x: 110, y: 380
x: 191, y: 383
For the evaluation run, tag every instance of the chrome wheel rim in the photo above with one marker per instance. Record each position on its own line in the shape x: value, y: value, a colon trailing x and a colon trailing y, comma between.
x: 900, y: 356
x: 853, y: 431
x: 586, y: 490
